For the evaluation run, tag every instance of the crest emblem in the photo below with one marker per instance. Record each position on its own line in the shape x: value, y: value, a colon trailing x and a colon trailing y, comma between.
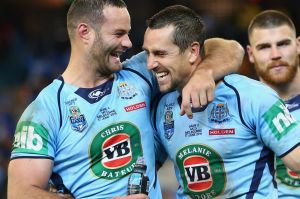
x: 126, y: 91
x: 78, y: 121
x: 219, y: 113
x: 168, y: 124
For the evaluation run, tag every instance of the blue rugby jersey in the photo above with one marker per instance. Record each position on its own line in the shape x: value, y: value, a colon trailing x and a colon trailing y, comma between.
x: 93, y: 135
x: 227, y: 149
x: 288, y: 181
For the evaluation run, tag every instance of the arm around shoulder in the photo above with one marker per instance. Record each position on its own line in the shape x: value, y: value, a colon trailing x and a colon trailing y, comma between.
x: 292, y: 160
x: 222, y: 56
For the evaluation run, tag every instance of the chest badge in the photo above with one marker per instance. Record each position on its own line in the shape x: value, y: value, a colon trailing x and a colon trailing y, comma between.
x: 78, y: 121
x: 219, y: 113
x: 169, y: 124
x: 126, y: 91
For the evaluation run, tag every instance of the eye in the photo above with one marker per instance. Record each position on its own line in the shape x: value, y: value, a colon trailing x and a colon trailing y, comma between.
x: 263, y: 46
x: 160, y: 53
x: 119, y: 34
x: 284, y: 43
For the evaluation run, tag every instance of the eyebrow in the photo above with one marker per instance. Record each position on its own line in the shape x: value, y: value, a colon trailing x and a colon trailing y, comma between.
x: 284, y: 41
x: 267, y: 44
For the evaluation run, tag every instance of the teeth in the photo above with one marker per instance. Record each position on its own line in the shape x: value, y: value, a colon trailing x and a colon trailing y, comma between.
x: 116, y: 54
x: 161, y: 74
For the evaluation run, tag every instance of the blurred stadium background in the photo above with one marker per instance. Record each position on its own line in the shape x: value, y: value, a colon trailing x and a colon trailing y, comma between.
x: 34, y: 49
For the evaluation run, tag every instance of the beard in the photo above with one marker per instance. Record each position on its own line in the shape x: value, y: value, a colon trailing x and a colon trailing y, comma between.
x: 281, y: 78
x: 100, y: 54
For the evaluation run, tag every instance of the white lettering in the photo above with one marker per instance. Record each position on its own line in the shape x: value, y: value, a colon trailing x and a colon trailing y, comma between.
x: 34, y: 141
x: 283, y: 118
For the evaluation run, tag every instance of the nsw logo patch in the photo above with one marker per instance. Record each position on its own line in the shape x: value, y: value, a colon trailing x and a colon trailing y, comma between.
x: 168, y: 125
x: 78, y: 121
x: 126, y: 91
x: 219, y: 113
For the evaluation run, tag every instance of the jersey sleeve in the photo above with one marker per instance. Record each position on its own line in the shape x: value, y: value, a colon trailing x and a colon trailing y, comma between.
x: 271, y: 120
x: 34, y: 135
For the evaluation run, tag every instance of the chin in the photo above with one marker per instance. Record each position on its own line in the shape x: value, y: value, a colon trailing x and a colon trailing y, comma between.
x: 116, y: 67
x: 164, y: 89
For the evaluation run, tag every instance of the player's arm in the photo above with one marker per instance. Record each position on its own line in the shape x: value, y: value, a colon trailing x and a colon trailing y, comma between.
x: 292, y: 160
x: 28, y: 178
x: 222, y: 57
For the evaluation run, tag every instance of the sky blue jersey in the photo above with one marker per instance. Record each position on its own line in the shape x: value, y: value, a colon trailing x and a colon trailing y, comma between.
x: 288, y: 181
x: 93, y: 135
x: 227, y: 149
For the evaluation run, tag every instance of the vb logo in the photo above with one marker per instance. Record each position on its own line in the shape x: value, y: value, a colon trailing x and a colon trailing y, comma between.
x: 197, y: 173
x: 202, y: 171
x: 116, y: 151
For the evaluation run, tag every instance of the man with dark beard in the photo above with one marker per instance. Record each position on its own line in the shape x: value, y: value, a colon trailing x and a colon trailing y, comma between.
x: 86, y: 130
x: 274, y: 50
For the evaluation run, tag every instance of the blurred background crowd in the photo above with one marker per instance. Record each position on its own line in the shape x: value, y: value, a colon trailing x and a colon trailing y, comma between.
x: 34, y: 49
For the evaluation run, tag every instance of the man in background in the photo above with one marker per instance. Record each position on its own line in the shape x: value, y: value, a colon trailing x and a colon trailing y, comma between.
x: 274, y: 50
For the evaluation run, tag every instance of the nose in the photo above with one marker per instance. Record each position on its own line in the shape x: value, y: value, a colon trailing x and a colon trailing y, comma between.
x: 275, y: 53
x: 126, y: 42
x: 151, y: 63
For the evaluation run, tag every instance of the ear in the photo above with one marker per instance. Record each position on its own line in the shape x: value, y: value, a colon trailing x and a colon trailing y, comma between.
x: 250, y: 54
x: 84, y: 32
x: 194, y: 52
x: 298, y: 45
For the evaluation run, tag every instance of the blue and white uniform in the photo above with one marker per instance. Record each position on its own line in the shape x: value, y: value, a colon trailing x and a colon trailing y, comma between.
x: 227, y: 149
x: 93, y: 135
x: 288, y: 181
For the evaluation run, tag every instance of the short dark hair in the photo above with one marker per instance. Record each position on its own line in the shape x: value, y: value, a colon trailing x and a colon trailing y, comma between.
x: 89, y: 11
x: 270, y: 19
x: 189, y: 26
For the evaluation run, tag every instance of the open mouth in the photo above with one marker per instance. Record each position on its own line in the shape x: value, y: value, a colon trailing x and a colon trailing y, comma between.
x: 161, y: 75
x: 116, y: 55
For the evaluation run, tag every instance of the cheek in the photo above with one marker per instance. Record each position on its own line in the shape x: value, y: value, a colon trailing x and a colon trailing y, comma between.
x: 292, y: 55
x: 261, y: 57
x: 184, y: 70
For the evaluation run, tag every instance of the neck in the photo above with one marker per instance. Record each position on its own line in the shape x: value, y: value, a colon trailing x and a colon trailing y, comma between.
x: 83, y: 74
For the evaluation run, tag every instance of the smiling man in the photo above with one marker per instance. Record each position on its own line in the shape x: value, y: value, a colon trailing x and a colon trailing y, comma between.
x: 227, y: 149
x: 85, y: 131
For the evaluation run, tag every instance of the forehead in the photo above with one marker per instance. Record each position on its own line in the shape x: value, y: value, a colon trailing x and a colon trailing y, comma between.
x: 271, y: 35
x: 158, y: 38
x: 116, y: 18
